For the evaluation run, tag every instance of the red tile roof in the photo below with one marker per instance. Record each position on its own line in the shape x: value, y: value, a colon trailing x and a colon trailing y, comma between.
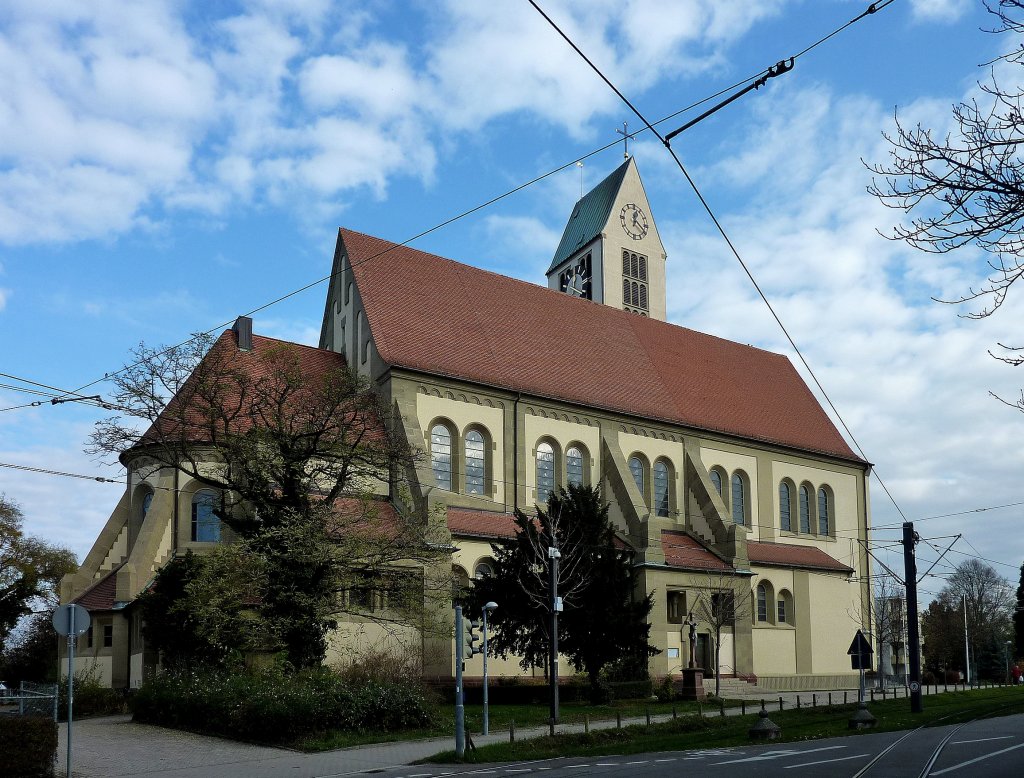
x: 761, y: 553
x: 483, y: 524
x: 248, y: 387
x: 442, y: 317
x: 100, y: 596
x: 681, y: 550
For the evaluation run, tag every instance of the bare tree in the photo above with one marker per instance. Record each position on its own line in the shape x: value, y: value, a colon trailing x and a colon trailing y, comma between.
x: 296, y: 445
x: 967, y: 187
x: 890, y: 622
x: 722, y: 601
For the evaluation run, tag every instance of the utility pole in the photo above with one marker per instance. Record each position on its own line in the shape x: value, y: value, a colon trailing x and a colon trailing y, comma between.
x: 556, y: 606
x: 913, y: 636
x: 967, y: 645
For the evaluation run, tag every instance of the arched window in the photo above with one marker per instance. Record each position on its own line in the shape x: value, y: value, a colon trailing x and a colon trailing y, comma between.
x: 823, y: 512
x: 574, y: 466
x: 805, y: 510
x: 441, y: 455
x: 475, y: 462
x: 739, y: 498
x: 545, y: 471
x: 762, y: 603
x: 147, y: 500
x: 636, y: 467
x: 484, y: 569
x: 205, y: 525
x: 785, y: 607
x: 716, y: 480
x: 661, y: 488
x: 785, y: 508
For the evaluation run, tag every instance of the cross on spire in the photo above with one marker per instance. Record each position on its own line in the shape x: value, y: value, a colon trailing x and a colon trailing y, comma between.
x: 624, y: 132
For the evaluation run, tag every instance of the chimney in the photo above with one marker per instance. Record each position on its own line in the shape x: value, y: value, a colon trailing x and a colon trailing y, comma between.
x: 243, y: 330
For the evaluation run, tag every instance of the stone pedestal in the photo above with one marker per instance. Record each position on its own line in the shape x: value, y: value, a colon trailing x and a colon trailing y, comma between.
x: 693, y: 684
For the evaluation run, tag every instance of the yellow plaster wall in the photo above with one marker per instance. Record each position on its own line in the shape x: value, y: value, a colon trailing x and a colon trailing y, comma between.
x: 100, y: 667
x: 353, y: 640
x: 116, y: 555
x: 835, y: 609
x: 463, y: 413
x: 774, y: 650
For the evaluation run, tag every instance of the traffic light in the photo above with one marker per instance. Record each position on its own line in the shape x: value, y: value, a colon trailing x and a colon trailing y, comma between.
x: 470, y: 638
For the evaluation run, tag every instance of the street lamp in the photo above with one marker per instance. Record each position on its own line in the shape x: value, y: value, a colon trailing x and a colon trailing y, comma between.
x: 487, y: 609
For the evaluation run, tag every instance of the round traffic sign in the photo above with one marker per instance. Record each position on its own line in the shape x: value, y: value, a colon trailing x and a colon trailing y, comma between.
x: 71, y: 619
x: 915, y: 687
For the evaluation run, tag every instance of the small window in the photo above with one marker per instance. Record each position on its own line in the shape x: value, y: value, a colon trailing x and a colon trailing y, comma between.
x: 716, y: 481
x: 661, y: 488
x: 782, y: 611
x: 441, y: 456
x: 739, y: 498
x: 88, y: 637
x: 823, y: 512
x: 205, y: 524
x: 545, y: 471
x: 108, y: 635
x: 785, y: 607
x: 574, y: 466
x: 475, y: 462
x: 785, y: 508
x: 805, y: 510
x: 484, y: 570
x: 762, y: 603
x: 636, y: 467
x: 676, y: 604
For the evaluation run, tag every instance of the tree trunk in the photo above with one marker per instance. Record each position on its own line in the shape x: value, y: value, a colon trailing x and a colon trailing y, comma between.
x: 718, y: 663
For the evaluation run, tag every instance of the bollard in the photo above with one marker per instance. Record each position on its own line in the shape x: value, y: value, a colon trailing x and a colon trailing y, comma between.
x: 844, y: 698
x: 830, y: 699
x: 586, y: 724
x: 798, y: 702
x: 674, y: 714
x: 512, y: 732
x: 780, y: 703
x: 618, y: 719
x: 700, y: 710
x: 743, y: 707
x: 814, y: 700
x: 647, y: 711
x: 872, y: 693
x: 551, y: 727
x: 721, y: 707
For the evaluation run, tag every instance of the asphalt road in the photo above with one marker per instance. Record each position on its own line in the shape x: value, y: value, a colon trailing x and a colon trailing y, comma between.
x: 992, y: 748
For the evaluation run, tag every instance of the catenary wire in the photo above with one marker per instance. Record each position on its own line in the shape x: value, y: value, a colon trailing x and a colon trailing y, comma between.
x: 728, y: 241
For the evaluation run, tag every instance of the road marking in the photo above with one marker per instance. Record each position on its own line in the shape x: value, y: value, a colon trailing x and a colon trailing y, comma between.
x: 979, y: 759
x: 645, y: 761
x: 777, y: 755
x: 826, y: 761
x: 981, y: 740
x: 518, y: 770
x: 665, y: 760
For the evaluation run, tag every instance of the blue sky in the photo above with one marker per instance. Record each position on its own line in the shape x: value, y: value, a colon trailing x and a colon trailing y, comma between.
x: 167, y: 166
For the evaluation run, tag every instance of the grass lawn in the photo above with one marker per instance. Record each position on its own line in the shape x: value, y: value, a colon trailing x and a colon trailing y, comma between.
x: 713, y: 731
x: 501, y: 716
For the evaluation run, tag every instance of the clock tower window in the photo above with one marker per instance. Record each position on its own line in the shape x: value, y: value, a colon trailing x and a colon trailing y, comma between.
x: 634, y: 282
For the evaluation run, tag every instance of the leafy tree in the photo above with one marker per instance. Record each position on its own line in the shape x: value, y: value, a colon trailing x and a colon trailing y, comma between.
x: 294, y: 441
x: 30, y: 569
x: 32, y: 655
x: 604, y: 618
x: 722, y: 601
x: 966, y: 187
x: 942, y: 636
x: 1018, y: 618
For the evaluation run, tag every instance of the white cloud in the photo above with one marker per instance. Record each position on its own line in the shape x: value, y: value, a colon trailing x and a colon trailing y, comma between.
x: 940, y: 10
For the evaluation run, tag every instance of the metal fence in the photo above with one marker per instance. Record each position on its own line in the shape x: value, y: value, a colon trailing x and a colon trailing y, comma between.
x: 31, y: 699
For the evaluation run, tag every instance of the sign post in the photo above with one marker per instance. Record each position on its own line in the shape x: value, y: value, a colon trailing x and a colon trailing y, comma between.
x: 71, y: 621
x: 860, y: 652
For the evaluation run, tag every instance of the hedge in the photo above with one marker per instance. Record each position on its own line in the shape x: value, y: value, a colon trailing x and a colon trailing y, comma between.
x: 273, y: 707
x: 536, y: 693
x: 28, y: 745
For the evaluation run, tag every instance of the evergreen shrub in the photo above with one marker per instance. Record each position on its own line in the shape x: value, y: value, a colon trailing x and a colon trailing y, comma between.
x: 28, y: 745
x: 270, y: 706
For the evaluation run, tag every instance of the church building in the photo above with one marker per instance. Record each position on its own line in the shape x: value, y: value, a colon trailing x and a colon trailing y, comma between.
x: 721, y: 468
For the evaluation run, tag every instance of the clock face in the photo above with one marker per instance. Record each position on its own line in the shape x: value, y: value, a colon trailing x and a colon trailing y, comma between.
x: 634, y: 222
x: 575, y: 279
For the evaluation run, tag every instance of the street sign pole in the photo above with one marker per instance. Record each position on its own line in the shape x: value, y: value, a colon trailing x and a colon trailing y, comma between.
x: 70, y: 620
x: 913, y: 635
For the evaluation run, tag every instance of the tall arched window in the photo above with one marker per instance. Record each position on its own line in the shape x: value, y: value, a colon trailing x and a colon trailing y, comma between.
x: 574, y: 466
x: 661, y: 488
x: 205, y: 525
x: 823, y: 512
x: 441, y: 455
x: 785, y: 508
x: 785, y: 607
x: 475, y: 462
x: 805, y: 510
x: 545, y: 471
x: 739, y: 498
x: 716, y: 480
x: 147, y: 500
x: 636, y: 467
x: 762, y: 603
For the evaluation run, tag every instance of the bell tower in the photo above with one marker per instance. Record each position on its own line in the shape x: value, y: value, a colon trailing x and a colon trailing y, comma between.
x: 610, y: 251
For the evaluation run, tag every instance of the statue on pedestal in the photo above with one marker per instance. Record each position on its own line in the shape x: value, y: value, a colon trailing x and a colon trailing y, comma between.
x: 691, y: 622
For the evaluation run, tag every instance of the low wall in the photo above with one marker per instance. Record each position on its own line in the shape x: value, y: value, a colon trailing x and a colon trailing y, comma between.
x: 807, y: 683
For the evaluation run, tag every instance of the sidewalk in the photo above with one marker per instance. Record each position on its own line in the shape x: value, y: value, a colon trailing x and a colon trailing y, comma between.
x: 114, y: 746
